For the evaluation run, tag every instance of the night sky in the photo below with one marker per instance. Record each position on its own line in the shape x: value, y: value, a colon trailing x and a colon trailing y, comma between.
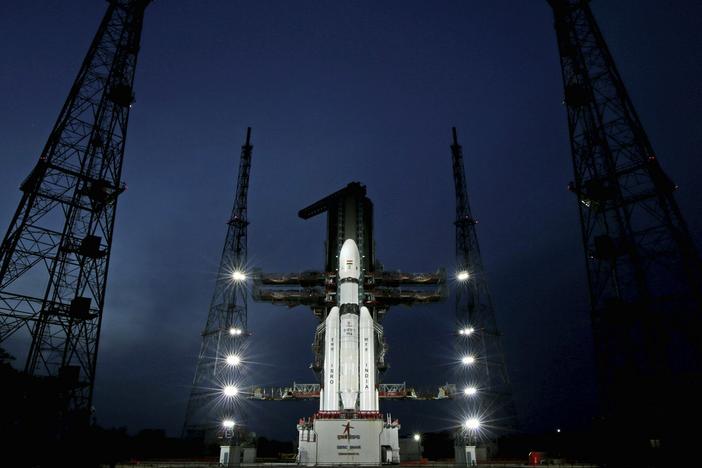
x: 339, y: 92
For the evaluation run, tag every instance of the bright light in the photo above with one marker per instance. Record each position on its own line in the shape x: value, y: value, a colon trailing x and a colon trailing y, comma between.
x: 462, y: 275
x: 227, y: 423
x: 466, y: 331
x: 470, y: 391
x: 235, y: 331
x: 233, y: 360
x: 467, y: 360
x: 230, y: 391
x: 558, y: 430
x: 472, y: 424
x: 238, y: 275
x: 417, y: 437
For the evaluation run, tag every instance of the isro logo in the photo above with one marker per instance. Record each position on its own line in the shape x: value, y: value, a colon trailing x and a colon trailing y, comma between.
x: 347, y: 432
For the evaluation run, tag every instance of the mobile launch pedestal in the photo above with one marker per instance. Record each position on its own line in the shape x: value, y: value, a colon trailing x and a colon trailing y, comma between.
x: 339, y: 440
x: 349, y: 427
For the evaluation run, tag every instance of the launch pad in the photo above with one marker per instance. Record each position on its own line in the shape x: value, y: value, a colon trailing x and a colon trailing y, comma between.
x: 349, y: 427
x: 350, y: 298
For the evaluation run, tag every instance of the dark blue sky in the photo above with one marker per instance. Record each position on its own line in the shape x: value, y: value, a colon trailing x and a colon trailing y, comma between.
x: 336, y: 92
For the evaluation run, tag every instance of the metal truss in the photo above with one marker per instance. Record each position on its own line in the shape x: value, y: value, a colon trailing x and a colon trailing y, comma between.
x: 479, y: 344
x: 644, y: 273
x: 226, y: 328
x: 54, y: 257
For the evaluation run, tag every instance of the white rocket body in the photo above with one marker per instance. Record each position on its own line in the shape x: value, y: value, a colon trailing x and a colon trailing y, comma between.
x: 348, y: 361
x: 369, y: 395
x: 349, y: 348
x: 329, y: 395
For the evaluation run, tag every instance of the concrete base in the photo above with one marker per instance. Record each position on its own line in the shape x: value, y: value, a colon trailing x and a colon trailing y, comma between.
x: 411, y: 449
x: 335, y: 441
x: 230, y: 455
x: 249, y: 455
x: 465, y: 455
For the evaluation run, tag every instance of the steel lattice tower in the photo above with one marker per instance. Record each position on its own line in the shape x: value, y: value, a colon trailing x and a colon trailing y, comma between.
x: 55, y: 255
x: 226, y: 327
x: 644, y: 273
x: 478, y: 337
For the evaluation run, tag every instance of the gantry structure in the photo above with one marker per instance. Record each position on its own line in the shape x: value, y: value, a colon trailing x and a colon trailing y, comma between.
x: 54, y: 257
x: 485, y: 382
x: 643, y: 270
x: 219, y: 364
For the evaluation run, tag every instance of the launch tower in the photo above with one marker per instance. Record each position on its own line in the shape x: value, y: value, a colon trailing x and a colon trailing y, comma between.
x: 219, y: 365
x: 644, y: 273
x: 54, y: 257
x: 486, y: 387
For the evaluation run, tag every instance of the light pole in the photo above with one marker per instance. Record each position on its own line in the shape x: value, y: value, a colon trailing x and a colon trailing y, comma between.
x: 418, y: 439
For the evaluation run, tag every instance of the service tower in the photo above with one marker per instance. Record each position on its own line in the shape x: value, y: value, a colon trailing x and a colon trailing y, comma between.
x: 350, y: 298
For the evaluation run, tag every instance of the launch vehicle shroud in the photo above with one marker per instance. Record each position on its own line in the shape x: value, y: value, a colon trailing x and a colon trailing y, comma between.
x: 349, y: 343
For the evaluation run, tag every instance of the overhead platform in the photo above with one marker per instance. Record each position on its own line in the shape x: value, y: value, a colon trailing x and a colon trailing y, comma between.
x: 381, y: 289
x: 320, y: 278
x: 310, y: 391
x: 318, y: 297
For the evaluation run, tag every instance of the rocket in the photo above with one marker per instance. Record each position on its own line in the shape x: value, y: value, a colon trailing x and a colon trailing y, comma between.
x: 349, y: 344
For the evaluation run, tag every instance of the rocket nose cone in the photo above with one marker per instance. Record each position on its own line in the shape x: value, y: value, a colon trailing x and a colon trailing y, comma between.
x: 349, y: 260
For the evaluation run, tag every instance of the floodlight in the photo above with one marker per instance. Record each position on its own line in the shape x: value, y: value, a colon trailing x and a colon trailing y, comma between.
x: 467, y: 360
x: 472, y: 424
x: 238, y: 275
x: 233, y: 360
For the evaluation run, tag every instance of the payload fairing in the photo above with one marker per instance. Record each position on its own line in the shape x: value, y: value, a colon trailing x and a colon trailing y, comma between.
x: 349, y: 343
